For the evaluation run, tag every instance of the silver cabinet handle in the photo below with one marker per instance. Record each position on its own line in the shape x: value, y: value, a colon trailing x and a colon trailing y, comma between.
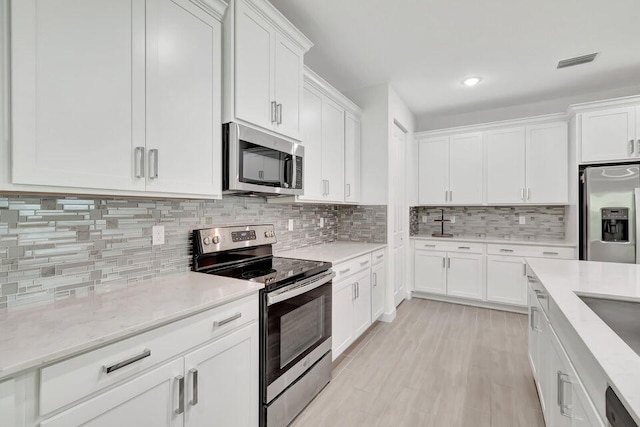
x: 506, y: 250
x: 139, y: 161
x: 540, y: 294
x: 446, y: 195
x: 375, y: 280
x: 345, y: 271
x: 524, y: 269
x: 145, y: 353
x: 279, y: 114
x: 565, y: 408
x: 328, y: 187
x: 638, y: 146
x: 451, y: 195
x: 428, y: 246
x: 153, y: 160
x: 379, y: 256
x: 464, y: 247
x: 348, y: 190
x: 532, y: 320
x: 448, y: 262
x: 363, y: 263
x: 444, y: 262
x: 180, y: 380
x: 229, y: 319
x: 522, y: 194
x: 274, y: 107
x: 528, y: 193
x: 550, y: 253
x: 630, y: 146
x: 353, y: 291
x: 194, y: 387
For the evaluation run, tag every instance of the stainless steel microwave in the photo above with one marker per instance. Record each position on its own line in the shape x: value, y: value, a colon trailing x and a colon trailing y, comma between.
x: 258, y: 163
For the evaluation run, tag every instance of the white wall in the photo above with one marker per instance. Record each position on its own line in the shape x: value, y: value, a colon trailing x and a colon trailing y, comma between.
x: 550, y: 106
x: 374, y: 101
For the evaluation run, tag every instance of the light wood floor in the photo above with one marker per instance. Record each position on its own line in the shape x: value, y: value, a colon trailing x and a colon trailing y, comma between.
x: 437, y: 364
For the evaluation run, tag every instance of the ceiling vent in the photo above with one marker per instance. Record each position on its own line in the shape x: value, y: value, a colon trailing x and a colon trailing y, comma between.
x: 578, y: 60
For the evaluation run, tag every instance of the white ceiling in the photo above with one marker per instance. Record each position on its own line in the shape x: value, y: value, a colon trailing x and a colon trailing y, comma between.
x: 425, y: 48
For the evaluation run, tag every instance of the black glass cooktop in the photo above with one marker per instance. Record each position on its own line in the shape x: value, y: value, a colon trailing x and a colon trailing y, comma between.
x: 273, y: 271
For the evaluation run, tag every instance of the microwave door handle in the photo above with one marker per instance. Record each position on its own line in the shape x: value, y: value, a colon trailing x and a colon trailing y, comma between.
x: 292, y: 171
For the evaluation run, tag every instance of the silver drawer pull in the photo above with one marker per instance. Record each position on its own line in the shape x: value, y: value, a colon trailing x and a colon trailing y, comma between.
x: 550, y: 253
x: 565, y: 408
x: 380, y: 256
x: 464, y: 247
x: 429, y: 246
x: 363, y: 263
x: 506, y: 250
x: 145, y: 353
x: 230, y: 319
x: 346, y: 270
x: 139, y: 162
x: 540, y: 294
x: 180, y: 380
x: 194, y: 384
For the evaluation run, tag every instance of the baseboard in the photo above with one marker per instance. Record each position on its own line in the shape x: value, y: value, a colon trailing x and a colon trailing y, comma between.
x: 474, y: 303
x: 388, y: 317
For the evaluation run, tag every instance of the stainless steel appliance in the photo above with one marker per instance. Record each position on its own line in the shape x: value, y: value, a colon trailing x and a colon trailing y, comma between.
x: 610, y: 199
x: 295, y: 314
x: 258, y: 163
x: 617, y: 414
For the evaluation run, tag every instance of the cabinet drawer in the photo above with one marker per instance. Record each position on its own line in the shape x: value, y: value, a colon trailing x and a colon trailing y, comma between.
x: 377, y: 256
x: 346, y: 269
x: 72, y: 379
x: 464, y: 247
x: 531, y: 251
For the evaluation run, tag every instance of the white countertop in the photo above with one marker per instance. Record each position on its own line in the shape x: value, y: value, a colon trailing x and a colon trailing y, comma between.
x: 495, y: 240
x: 562, y: 279
x: 39, y: 335
x: 334, y: 252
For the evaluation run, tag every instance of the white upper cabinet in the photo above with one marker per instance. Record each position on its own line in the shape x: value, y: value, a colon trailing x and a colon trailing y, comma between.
x: 433, y: 171
x: 312, y: 136
x: 528, y: 165
x: 352, y: 146
x: 547, y: 164
x: 184, y: 48
x: 465, y: 169
x: 609, y: 134
x: 78, y: 92
x: 123, y: 94
x: 333, y: 151
x: 505, y: 152
x: 264, y: 71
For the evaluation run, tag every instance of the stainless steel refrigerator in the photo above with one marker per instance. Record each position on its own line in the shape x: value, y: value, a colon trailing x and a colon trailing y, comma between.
x: 610, y: 196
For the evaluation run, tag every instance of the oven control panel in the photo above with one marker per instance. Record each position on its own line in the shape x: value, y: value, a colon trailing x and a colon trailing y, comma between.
x: 234, y: 237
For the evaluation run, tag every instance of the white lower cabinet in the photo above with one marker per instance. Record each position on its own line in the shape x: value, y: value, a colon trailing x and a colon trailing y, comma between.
x: 563, y: 397
x: 430, y: 272
x: 449, y: 273
x: 362, y: 302
x: 378, y: 280
x: 506, y: 280
x: 8, y: 412
x: 341, y: 315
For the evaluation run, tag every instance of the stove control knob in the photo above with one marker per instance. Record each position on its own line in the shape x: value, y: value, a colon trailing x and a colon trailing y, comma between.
x: 206, y: 240
x: 216, y: 240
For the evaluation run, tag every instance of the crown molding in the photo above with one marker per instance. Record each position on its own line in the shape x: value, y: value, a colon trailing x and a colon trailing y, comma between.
x: 314, y: 80
x: 216, y: 8
x: 606, y: 103
x: 273, y: 15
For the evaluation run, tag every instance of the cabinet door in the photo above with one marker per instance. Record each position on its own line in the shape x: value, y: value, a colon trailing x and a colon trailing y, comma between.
x: 149, y: 400
x: 342, y: 316
x: 312, y: 140
x: 288, y: 86
x: 254, y: 67
x: 505, y: 154
x: 607, y: 135
x: 506, y: 280
x: 533, y: 333
x: 560, y: 388
x: 465, y: 275
x: 333, y: 150
x: 465, y: 169
x: 78, y: 92
x: 378, y: 280
x: 430, y: 273
x: 362, y: 303
x: 433, y: 171
x: 222, y: 381
x: 547, y: 164
x: 351, y: 158
x: 183, y: 99
x: 8, y: 410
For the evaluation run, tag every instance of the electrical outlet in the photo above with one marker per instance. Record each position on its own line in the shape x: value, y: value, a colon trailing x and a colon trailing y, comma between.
x: 157, y: 231
x: 522, y: 219
x: 424, y: 219
x: 321, y: 222
x: 290, y: 225
x: 453, y: 220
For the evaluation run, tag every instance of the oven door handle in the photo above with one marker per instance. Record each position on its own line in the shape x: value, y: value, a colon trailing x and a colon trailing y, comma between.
x: 298, y: 289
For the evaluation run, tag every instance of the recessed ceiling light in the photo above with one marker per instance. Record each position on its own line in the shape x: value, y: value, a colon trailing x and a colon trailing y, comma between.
x: 471, y: 81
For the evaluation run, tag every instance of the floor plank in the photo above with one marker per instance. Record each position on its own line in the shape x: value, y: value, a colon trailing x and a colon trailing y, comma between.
x: 437, y: 364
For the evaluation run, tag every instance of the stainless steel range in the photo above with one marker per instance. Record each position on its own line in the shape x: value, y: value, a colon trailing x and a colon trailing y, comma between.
x: 295, y: 314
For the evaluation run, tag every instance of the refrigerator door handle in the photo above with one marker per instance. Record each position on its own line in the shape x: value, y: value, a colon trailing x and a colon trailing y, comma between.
x: 636, y: 205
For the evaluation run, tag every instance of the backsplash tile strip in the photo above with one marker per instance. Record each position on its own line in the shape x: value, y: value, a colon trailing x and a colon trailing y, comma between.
x: 60, y: 247
x: 542, y: 222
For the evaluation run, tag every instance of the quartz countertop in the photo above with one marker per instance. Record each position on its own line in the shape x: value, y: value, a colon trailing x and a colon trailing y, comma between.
x: 334, y: 252
x: 564, y: 280
x: 495, y: 240
x: 36, y: 336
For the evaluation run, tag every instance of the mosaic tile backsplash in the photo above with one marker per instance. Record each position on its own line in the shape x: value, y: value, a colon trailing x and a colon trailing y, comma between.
x: 363, y: 223
x: 542, y: 222
x: 53, y: 248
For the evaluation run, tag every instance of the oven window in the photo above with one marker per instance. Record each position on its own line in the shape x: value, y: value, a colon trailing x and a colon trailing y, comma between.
x: 300, y: 329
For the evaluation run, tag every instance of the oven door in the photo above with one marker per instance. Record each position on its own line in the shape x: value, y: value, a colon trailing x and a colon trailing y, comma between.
x: 297, y: 331
x: 262, y: 163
